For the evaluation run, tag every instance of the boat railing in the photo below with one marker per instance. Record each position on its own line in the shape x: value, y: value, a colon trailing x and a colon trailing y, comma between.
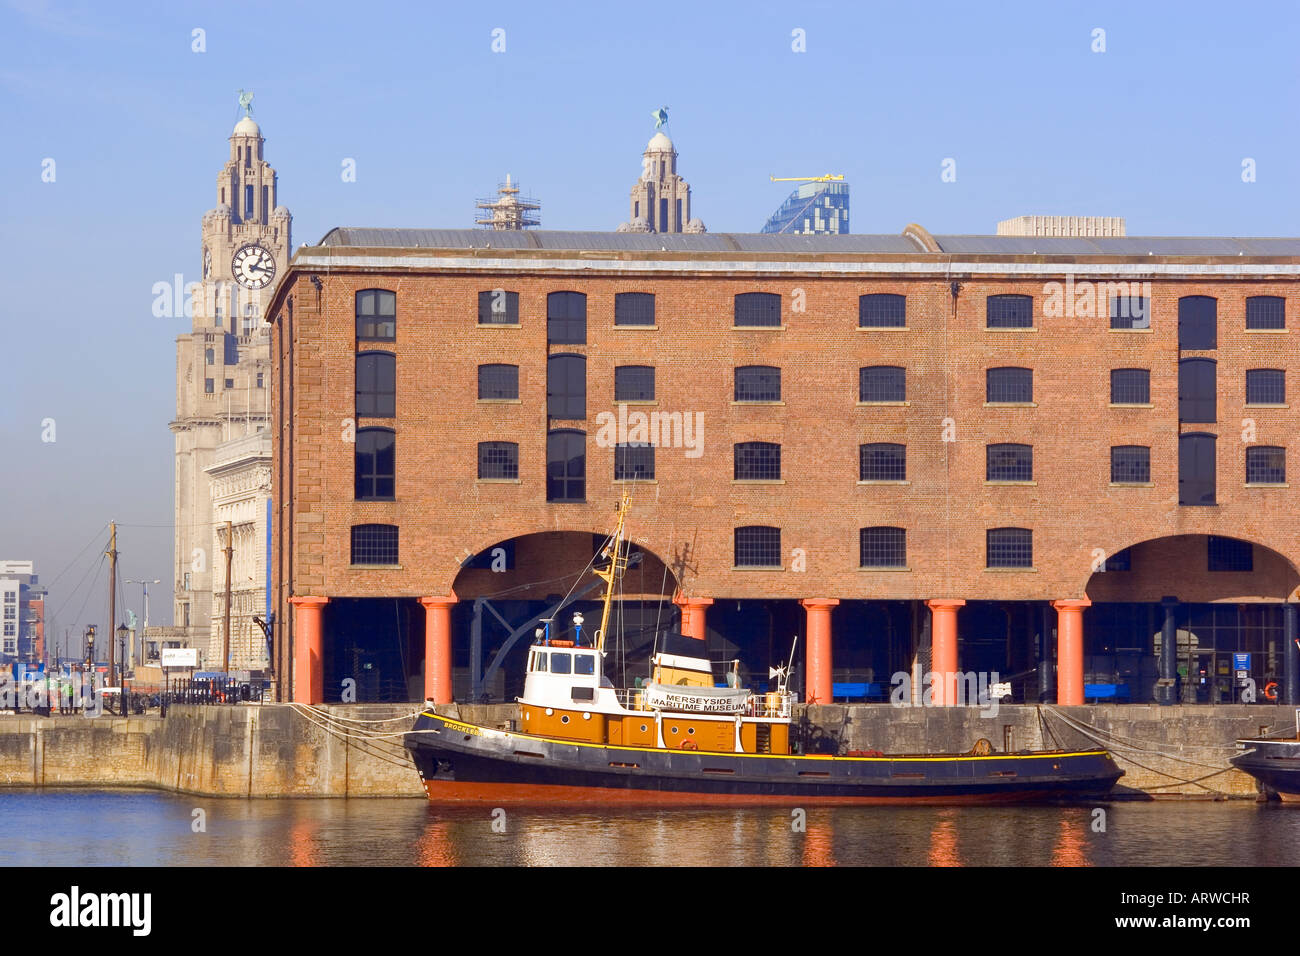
x: 773, y: 705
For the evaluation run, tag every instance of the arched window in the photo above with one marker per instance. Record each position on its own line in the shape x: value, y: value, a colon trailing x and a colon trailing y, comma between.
x: 1265, y: 312
x: 758, y: 383
x: 498, y: 382
x: 882, y: 383
x: 377, y: 314
x: 762, y: 309
x: 376, y: 385
x: 566, y: 318
x: 758, y: 546
x: 634, y: 308
x: 634, y: 383
x: 1198, y: 319
x: 498, y: 307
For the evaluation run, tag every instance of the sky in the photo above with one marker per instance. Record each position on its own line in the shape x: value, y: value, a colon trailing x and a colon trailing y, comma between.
x: 1178, y: 116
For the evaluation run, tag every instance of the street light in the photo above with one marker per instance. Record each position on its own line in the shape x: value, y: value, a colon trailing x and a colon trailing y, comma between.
x: 123, y: 632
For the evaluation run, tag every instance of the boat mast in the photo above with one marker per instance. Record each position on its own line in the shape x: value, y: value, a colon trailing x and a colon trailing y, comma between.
x: 617, y: 564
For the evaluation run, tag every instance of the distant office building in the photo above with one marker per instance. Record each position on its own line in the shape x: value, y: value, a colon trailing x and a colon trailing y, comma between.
x: 508, y: 212
x: 22, y: 604
x: 818, y: 209
x: 1070, y: 226
x: 661, y: 199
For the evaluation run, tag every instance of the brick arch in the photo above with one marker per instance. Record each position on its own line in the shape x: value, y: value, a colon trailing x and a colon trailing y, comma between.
x: 1176, y: 565
x: 552, y: 560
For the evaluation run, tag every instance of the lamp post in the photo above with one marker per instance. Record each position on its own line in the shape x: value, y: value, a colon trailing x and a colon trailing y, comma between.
x: 90, y: 660
x: 123, y: 632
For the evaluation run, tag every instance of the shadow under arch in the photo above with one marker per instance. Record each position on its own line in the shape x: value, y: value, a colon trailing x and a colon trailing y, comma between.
x: 511, y: 585
x: 1180, y: 566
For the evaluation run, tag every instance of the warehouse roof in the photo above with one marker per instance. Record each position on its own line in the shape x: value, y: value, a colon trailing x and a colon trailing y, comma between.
x: 910, y: 242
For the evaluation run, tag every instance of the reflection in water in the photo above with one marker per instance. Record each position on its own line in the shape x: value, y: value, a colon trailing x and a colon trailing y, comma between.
x: 141, y: 828
x: 943, y: 841
x: 1071, y: 840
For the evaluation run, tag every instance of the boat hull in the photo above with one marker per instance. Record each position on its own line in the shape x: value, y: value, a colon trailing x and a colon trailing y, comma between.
x: 465, y: 763
x: 1274, y: 763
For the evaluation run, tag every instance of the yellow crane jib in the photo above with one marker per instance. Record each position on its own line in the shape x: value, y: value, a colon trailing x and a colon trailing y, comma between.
x: 829, y: 177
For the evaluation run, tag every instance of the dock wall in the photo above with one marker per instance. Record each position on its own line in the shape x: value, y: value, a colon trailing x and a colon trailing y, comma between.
x: 354, y: 750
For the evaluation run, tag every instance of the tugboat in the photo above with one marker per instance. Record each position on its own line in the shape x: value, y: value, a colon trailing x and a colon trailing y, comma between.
x: 1273, y: 761
x: 679, y: 738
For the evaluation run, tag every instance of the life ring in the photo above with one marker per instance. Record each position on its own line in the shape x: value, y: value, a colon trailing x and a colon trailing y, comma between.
x: 689, y: 745
x: 1270, y: 690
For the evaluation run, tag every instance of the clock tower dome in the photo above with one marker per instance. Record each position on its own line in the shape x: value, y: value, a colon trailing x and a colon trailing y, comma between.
x: 223, y: 382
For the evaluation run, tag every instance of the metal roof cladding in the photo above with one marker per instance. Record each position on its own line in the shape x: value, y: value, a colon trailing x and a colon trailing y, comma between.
x: 848, y: 244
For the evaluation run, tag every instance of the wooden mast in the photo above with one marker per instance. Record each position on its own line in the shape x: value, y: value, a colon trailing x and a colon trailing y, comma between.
x: 617, y: 563
x: 112, y: 598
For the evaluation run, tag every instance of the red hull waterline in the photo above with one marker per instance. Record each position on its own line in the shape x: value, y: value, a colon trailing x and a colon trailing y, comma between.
x: 528, y: 794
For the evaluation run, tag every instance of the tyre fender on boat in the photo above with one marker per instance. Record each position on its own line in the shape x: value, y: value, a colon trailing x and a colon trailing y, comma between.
x: 689, y: 745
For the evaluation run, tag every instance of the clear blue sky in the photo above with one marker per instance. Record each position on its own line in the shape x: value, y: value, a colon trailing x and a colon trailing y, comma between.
x: 1154, y: 129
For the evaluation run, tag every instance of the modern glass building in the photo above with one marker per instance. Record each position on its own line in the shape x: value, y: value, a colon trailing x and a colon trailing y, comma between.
x: 820, y: 209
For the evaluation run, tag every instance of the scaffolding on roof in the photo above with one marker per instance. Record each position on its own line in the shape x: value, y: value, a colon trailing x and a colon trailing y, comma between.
x: 508, y: 211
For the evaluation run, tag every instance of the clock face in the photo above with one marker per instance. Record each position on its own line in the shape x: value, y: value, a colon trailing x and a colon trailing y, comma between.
x: 253, y: 266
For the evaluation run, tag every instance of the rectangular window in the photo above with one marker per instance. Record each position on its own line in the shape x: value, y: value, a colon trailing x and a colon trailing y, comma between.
x: 566, y: 387
x: 210, y: 355
x: 758, y: 383
x: 634, y: 308
x: 882, y: 311
x: 1130, y: 312
x: 561, y: 663
x: 1009, y: 312
x: 1265, y: 386
x: 882, y: 548
x: 566, y: 466
x: 1009, y: 386
x: 261, y: 380
x: 1196, y: 469
x: 757, y: 461
x: 1130, y: 386
x: 758, y: 547
x: 208, y: 385
x: 757, y: 309
x: 634, y: 383
x: 1197, y: 390
x: 1010, y: 548
x: 882, y: 461
x: 376, y: 394
x: 375, y: 464
x: 882, y: 383
x: 498, y: 307
x: 498, y: 382
x: 1130, y: 464
x: 1266, y: 465
x: 1009, y: 463
x: 374, y: 544
x: 1229, y: 554
x: 1266, y: 312
x: 230, y: 383
x: 498, y: 460
x: 634, y: 462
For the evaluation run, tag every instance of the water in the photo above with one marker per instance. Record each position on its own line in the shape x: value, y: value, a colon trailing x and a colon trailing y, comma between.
x: 118, y: 827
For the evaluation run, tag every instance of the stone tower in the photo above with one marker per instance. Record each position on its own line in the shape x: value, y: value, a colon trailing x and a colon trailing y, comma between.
x: 223, y: 381
x: 661, y: 199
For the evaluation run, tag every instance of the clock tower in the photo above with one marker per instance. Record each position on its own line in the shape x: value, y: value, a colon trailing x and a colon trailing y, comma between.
x: 223, y: 382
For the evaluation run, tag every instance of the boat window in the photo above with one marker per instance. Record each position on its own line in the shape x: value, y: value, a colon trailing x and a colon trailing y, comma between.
x: 584, y: 664
x: 560, y: 663
x: 539, y: 663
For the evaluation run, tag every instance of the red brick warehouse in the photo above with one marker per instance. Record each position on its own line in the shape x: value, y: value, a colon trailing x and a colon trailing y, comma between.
x: 1063, y: 460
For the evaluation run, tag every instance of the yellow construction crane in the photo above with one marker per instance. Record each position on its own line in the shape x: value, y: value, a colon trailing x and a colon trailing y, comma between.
x: 829, y: 177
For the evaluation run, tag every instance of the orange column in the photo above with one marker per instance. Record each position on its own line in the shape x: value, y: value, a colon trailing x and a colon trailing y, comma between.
x: 437, y: 648
x: 817, y: 677
x: 943, y: 649
x: 1069, y: 650
x: 308, y: 637
x: 693, y: 616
